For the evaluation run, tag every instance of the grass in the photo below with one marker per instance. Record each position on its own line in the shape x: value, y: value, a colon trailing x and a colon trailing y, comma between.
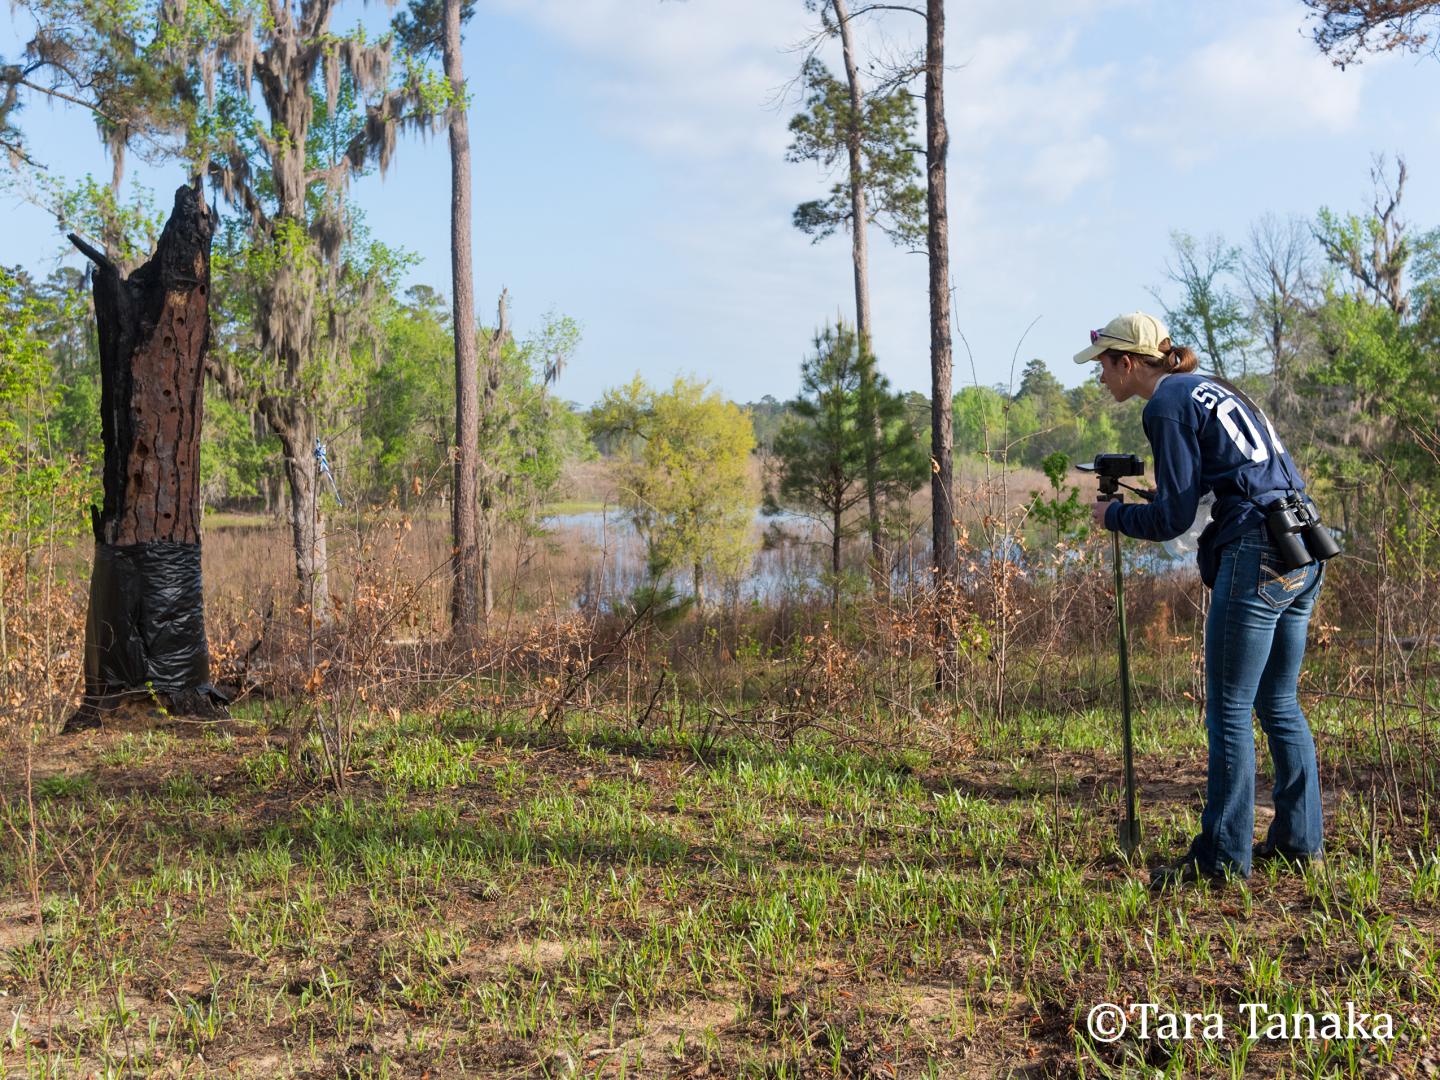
x: 235, y: 519
x: 601, y: 901
x: 577, y: 506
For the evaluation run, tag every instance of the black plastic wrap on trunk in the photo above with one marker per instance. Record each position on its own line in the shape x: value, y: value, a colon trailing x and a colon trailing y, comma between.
x: 146, y: 627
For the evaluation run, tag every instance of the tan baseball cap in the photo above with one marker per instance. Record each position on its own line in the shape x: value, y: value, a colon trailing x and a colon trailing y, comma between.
x: 1137, y: 333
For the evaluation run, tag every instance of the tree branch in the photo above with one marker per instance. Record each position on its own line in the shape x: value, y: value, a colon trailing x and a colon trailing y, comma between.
x: 868, y: 8
x: 51, y: 91
x: 16, y: 151
x: 99, y: 258
x: 316, y: 17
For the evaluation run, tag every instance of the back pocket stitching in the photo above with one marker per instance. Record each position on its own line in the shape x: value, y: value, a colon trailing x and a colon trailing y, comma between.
x: 1292, y: 582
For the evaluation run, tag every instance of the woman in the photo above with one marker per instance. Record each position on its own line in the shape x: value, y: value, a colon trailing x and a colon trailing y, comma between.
x: 1206, y: 438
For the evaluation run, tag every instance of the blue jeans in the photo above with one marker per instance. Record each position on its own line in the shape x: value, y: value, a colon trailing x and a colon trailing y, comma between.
x: 1254, y: 643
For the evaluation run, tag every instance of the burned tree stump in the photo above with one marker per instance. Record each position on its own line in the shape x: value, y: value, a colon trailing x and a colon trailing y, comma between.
x: 145, y: 632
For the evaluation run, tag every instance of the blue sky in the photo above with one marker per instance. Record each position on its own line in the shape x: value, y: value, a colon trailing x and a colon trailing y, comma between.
x: 629, y: 171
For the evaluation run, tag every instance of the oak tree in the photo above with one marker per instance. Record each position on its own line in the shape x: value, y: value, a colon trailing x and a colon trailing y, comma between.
x: 326, y: 112
x: 684, y: 476
x: 1209, y: 315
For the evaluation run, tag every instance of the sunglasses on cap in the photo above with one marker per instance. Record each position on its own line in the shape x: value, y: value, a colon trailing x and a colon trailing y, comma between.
x: 1096, y: 335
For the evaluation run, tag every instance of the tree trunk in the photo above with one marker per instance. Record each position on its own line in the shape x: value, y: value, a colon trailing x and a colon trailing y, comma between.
x: 494, y: 422
x: 487, y: 555
x: 145, y: 631
x: 835, y: 560
x: 878, y: 578
x: 937, y: 145
x: 307, y: 522
x: 861, y: 258
x: 868, y: 420
x: 465, y: 597
x: 699, y: 579
x: 858, y: 218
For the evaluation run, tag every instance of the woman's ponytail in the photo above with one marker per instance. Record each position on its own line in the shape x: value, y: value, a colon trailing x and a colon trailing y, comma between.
x: 1177, y: 359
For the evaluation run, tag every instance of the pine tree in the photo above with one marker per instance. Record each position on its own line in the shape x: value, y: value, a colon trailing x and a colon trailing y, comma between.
x: 845, y: 427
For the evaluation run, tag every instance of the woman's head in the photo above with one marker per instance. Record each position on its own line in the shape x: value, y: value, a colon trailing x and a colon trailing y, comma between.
x: 1134, y: 352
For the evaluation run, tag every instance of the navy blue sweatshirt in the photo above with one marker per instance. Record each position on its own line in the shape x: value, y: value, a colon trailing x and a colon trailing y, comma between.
x: 1205, y: 439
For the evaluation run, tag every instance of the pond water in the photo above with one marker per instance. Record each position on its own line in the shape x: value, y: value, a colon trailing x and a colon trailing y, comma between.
x: 792, y: 555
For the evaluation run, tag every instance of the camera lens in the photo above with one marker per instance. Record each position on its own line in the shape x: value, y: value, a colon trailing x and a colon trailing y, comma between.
x: 1319, y: 542
x: 1284, y: 526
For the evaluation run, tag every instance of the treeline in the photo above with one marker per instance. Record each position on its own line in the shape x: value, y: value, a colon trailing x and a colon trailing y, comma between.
x: 1332, y: 322
x: 389, y: 406
x: 389, y: 417
x: 1021, y: 425
x: 330, y: 382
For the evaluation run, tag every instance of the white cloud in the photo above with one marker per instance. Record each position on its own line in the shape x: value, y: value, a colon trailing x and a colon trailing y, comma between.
x: 685, y: 81
x: 1019, y: 83
x: 1061, y: 168
x: 1264, y: 79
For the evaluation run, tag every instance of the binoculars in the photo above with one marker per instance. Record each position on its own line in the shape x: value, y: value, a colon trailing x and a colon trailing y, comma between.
x: 1297, y: 533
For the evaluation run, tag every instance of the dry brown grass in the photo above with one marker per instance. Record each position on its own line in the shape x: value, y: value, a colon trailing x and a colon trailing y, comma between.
x: 524, y: 822
x: 1034, y: 627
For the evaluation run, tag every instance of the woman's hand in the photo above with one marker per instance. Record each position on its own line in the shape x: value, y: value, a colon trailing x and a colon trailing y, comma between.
x: 1097, y: 514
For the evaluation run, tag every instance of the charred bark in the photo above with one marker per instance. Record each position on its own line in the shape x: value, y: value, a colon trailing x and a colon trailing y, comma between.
x: 145, y: 631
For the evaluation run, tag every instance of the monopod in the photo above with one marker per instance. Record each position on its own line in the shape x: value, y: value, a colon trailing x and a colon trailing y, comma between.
x: 1108, y: 469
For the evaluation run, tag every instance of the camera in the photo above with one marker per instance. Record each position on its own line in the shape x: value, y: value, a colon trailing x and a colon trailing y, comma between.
x: 1297, y: 533
x: 1109, y: 468
x: 1116, y: 465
